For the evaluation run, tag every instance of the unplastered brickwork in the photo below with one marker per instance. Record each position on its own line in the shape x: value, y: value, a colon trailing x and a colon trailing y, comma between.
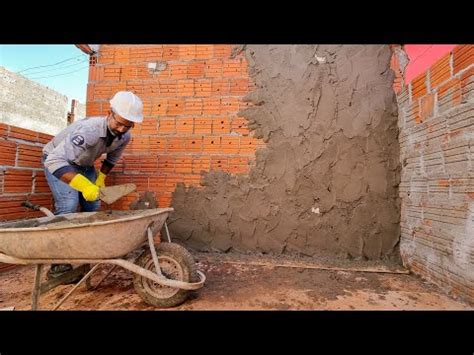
x: 436, y: 120
x: 21, y: 175
x: 191, y: 96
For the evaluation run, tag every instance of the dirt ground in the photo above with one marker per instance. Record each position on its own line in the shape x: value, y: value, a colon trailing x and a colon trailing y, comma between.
x: 250, y: 282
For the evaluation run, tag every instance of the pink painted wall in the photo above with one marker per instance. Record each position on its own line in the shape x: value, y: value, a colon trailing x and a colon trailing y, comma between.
x: 422, y: 56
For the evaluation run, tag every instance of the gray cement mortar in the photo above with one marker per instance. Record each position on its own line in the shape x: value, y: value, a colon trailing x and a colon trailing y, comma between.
x: 327, y: 181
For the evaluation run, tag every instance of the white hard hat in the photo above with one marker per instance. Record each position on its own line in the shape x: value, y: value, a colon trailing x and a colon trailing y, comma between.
x: 127, y: 105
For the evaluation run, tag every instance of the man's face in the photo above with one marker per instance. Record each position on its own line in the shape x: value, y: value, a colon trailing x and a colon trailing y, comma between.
x: 118, y: 125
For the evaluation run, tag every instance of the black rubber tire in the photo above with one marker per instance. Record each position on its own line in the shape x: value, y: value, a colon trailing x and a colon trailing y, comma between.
x: 169, y: 254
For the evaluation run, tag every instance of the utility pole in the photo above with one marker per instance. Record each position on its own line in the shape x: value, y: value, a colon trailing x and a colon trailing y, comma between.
x: 71, y: 115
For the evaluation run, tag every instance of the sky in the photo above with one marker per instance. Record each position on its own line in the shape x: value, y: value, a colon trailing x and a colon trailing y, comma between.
x: 422, y: 56
x: 64, y: 68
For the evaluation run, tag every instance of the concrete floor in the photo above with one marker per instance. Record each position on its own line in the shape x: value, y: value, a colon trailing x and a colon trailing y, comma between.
x: 235, y: 282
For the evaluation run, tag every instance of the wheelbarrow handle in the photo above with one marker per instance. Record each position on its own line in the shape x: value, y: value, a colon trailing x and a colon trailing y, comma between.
x: 47, y: 212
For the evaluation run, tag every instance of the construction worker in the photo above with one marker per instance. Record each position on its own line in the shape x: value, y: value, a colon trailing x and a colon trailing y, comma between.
x: 69, y: 158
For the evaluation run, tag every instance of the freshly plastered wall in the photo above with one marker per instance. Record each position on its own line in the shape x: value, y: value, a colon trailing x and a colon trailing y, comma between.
x: 326, y: 181
x: 288, y: 148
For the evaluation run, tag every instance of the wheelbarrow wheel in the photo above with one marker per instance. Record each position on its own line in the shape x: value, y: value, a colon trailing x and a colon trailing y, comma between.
x: 176, y: 263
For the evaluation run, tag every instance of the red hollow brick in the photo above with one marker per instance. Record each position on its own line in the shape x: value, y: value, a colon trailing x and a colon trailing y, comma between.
x: 418, y: 86
x: 40, y: 183
x: 203, y: 126
x: 170, y: 52
x: 3, y: 130
x: 230, y: 145
x: 184, y: 165
x: 24, y: 134
x: 184, y: 126
x: 167, y: 126
x: 204, y: 51
x: 187, y: 52
x: 193, y: 144
x: 440, y: 71
x: 239, y: 125
x: 211, y: 144
x: 463, y: 57
x: 185, y: 88
x: 220, y: 163
x: 220, y: 126
x: 239, y: 165
x: 449, y: 94
x: 196, y: 70
x: 426, y: 106
x: 7, y: 153
x: 18, y: 181
x: 175, y: 107
x: 193, y: 106
x: 29, y: 156
x: 222, y: 51
x: 166, y: 164
x: 201, y: 164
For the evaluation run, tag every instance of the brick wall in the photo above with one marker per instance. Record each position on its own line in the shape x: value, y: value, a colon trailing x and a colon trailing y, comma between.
x: 436, y: 120
x: 27, y: 104
x: 191, y: 95
x: 21, y: 175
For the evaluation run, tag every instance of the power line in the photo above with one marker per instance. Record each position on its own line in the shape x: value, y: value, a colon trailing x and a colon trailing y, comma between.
x: 62, y: 67
x: 422, y: 54
x: 52, y: 76
x: 50, y: 65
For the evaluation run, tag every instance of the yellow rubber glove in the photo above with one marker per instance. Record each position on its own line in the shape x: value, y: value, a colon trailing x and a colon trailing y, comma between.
x: 100, y: 181
x: 89, y: 190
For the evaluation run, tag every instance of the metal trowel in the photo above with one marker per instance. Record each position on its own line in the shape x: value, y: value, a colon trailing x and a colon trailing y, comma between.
x: 110, y: 194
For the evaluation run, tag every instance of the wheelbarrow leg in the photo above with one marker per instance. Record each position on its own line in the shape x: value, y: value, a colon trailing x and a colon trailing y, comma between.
x: 36, y: 287
x: 87, y: 268
x: 91, y: 271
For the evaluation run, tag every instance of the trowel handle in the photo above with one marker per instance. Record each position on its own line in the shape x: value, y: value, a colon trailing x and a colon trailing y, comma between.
x: 28, y: 204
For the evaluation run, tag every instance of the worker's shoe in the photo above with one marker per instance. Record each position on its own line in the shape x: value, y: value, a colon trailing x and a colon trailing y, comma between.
x: 57, y: 270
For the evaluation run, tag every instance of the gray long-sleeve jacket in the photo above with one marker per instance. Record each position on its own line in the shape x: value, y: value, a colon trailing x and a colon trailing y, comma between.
x: 82, y: 143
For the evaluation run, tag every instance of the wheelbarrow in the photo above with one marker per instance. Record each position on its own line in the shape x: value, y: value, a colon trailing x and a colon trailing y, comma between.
x: 164, y: 273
